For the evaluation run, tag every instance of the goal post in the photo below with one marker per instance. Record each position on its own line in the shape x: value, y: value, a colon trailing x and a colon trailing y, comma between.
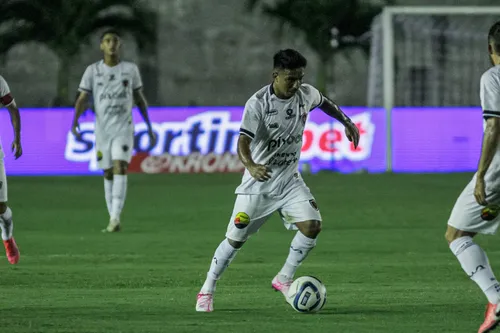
x: 427, y: 56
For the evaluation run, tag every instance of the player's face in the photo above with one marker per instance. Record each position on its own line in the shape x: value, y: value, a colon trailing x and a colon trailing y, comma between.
x: 288, y: 81
x: 110, y: 44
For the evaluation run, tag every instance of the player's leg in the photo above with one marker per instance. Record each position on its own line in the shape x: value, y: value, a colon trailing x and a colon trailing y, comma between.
x: 104, y: 163
x: 464, y: 223
x: 249, y: 214
x: 121, y: 154
x: 6, y: 223
x: 305, y: 216
x: 108, y: 189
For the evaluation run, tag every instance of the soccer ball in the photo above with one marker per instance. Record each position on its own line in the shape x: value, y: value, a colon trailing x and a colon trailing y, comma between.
x: 307, y: 294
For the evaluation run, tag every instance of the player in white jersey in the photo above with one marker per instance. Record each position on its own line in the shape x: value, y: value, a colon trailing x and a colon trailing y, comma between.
x: 476, y: 209
x: 115, y: 86
x: 6, y: 224
x: 269, y: 147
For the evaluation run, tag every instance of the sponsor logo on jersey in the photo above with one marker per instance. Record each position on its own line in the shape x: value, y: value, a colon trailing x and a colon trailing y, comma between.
x: 290, y: 114
x: 279, y: 142
x: 113, y: 96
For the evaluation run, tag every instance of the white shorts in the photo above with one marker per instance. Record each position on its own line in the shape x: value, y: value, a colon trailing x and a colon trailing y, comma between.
x: 466, y: 214
x: 251, y: 211
x: 116, y: 149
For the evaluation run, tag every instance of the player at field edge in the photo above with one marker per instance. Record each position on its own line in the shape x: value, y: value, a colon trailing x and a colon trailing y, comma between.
x: 269, y: 147
x: 115, y: 86
x: 6, y: 223
x: 476, y: 209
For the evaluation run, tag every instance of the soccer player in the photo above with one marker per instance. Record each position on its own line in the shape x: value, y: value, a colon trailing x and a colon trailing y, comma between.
x: 6, y: 224
x: 473, y: 211
x: 115, y: 86
x: 269, y: 147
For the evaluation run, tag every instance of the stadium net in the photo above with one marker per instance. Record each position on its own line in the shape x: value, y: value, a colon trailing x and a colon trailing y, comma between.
x: 429, y: 56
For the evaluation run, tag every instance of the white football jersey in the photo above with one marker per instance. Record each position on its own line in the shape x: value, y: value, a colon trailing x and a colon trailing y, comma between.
x: 490, y: 103
x: 276, y: 127
x: 112, y: 89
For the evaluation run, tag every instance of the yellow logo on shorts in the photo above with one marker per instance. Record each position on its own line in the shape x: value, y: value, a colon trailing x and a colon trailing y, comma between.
x: 490, y: 212
x: 99, y: 155
x: 241, y: 220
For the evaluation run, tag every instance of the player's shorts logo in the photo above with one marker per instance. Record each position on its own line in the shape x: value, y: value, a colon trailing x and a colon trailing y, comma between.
x: 125, y: 83
x: 125, y: 148
x: 99, y: 155
x: 313, y: 204
x: 241, y: 220
x: 490, y: 212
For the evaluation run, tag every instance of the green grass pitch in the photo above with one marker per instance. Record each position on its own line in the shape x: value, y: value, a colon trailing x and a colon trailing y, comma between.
x: 381, y: 255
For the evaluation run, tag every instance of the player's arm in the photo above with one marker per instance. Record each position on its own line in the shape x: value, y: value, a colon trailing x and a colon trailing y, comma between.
x: 142, y: 105
x: 249, y: 126
x: 85, y: 89
x: 15, y: 119
x: 80, y: 106
x: 334, y: 111
x: 491, y: 137
x: 490, y: 103
x: 7, y: 100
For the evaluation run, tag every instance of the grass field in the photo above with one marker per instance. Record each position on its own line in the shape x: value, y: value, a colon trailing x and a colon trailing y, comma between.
x: 381, y: 254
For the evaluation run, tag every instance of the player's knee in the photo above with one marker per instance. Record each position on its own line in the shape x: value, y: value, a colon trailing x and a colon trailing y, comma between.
x: 120, y: 167
x: 235, y: 244
x: 108, y: 174
x: 3, y: 207
x: 310, y: 229
x: 451, y: 234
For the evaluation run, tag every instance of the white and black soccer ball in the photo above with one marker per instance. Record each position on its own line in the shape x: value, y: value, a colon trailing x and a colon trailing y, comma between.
x: 307, y: 294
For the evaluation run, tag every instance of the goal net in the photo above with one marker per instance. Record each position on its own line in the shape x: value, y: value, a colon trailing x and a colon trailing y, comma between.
x: 429, y: 56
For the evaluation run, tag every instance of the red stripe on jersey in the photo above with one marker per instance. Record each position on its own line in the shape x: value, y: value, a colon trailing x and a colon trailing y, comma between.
x: 7, y: 99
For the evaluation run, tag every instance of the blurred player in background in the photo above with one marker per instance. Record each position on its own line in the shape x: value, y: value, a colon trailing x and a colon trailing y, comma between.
x: 269, y: 147
x: 6, y: 223
x: 476, y: 209
x: 115, y: 86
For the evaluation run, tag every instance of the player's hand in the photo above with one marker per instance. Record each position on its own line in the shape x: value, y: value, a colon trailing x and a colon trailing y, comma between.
x: 76, y: 130
x: 17, y: 149
x: 260, y: 172
x: 480, y: 192
x: 152, y: 139
x: 352, y: 133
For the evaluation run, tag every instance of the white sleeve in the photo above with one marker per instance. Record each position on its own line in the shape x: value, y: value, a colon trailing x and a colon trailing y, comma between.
x: 252, y: 117
x: 314, y: 96
x: 87, y: 80
x: 5, y: 95
x: 136, y: 78
x: 490, y: 94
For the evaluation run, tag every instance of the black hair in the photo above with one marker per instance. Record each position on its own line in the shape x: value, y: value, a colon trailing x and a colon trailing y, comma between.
x: 289, y: 59
x: 494, y: 37
x: 110, y: 31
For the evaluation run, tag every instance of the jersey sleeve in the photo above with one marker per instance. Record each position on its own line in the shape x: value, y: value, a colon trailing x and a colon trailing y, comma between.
x: 252, y: 117
x: 314, y: 96
x: 490, y: 95
x: 5, y: 96
x: 136, y: 78
x: 87, y: 80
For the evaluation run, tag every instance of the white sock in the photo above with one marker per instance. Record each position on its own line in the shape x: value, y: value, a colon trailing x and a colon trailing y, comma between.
x: 6, y: 224
x: 223, y: 256
x: 108, y: 194
x: 301, y: 245
x: 476, y: 265
x: 119, y: 194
